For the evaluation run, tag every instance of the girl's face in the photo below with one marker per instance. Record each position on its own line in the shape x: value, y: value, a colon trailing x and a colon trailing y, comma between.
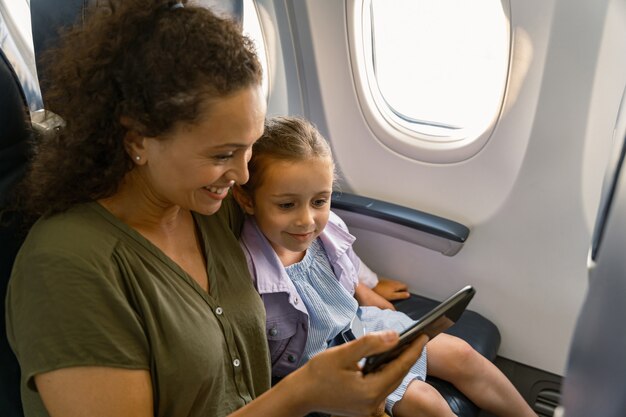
x: 292, y: 204
x: 196, y: 164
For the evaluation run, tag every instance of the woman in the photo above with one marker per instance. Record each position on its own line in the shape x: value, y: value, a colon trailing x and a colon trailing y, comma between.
x: 130, y: 295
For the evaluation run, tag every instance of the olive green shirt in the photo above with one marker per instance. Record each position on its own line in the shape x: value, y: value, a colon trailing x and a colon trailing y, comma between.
x: 87, y: 290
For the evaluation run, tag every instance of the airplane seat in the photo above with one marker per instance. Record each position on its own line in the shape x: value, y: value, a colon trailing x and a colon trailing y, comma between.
x: 14, y: 139
x: 595, y: 378
x: 438, y: 234
x: 481, y: 333
x: 47, y: 18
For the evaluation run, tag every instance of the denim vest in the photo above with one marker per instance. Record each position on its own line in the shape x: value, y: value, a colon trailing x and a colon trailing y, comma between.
x: 287, y: 319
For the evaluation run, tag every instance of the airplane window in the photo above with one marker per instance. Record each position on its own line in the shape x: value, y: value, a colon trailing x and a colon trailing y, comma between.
x: 435, y: 70
x: 18, y: 13
x: 252, y: 29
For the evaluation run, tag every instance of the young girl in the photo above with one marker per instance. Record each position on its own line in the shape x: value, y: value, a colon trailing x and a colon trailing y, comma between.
x: 301, y: 259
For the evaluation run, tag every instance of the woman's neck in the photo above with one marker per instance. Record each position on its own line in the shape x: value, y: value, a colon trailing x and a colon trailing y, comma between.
x: 133, y: 204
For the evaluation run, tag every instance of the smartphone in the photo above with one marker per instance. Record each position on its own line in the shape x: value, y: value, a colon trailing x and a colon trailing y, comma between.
x: 432, y: 323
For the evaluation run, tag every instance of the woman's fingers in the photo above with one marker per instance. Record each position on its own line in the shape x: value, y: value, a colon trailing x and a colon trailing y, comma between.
x: 335, y: 380
x: 370, y: 344
x: 392, y: 373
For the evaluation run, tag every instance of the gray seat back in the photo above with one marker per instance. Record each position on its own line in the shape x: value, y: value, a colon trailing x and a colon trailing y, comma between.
x: 595, y: 380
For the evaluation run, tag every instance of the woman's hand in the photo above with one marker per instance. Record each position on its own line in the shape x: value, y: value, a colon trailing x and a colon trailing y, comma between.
x: 391, y: 290
x: 367, y: 297
x: 332, y: 381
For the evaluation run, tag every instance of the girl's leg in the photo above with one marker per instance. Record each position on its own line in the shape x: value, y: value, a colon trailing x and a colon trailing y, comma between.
x: 454, y: 360
x: 421, y: 399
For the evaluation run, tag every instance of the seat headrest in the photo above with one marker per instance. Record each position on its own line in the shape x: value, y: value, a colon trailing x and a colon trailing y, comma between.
x: 12, y: 105
x: 48, y: 17
x: 14, y: 130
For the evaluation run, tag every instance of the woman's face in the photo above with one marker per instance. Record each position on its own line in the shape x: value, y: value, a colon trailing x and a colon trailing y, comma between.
x: 195, y: 165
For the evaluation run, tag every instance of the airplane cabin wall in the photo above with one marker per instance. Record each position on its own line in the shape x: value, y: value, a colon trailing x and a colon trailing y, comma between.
x: 529, y: 196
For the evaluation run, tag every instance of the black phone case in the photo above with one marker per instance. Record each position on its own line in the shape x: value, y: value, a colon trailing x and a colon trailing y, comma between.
x: 432, y: 323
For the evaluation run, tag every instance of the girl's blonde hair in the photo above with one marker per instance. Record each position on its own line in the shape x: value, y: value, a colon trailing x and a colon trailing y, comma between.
x: 285, y: 139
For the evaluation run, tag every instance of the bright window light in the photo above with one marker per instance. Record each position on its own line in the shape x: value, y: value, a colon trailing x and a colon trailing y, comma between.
x: 252, y: 29
x: 436, y: 70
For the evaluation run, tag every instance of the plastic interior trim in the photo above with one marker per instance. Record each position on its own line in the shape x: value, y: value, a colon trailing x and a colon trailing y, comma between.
x: 425, y: 229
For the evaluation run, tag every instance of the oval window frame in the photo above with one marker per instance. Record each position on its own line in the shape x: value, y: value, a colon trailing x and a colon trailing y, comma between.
x: 441, y: 144
x: 256, y: 33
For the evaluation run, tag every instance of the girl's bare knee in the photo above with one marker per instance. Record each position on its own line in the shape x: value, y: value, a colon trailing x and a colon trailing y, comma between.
x: 421, y: 399
x: 465, y: 352
x: 460, y: 358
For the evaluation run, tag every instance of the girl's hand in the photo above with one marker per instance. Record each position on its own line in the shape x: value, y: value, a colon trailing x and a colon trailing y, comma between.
x: 391, y: 289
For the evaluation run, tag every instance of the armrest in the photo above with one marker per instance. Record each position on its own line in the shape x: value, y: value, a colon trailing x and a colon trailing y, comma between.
x: 424, y: 229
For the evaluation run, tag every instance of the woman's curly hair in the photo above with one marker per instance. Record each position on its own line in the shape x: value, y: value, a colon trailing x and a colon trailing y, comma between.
x: 143, y: 60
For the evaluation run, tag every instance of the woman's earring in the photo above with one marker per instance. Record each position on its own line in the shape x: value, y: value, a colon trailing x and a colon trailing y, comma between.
x: 137, y: 157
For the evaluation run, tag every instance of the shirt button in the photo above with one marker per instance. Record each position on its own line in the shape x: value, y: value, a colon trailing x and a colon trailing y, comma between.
x: 236, y: 363
x: 291, y: 358
x: 219, y: 311
x: 295, y: 300
x: 273, y: 331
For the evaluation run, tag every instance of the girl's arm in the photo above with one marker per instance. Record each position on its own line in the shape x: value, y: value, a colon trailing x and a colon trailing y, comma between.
x: 391, y: 289
x: 384, y: 290
x: 367, y: 297
x: 373, y: 290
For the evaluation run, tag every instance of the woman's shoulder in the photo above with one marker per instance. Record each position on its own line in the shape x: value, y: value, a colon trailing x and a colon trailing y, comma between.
x: 72, y: 249
x: 80, y: 229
